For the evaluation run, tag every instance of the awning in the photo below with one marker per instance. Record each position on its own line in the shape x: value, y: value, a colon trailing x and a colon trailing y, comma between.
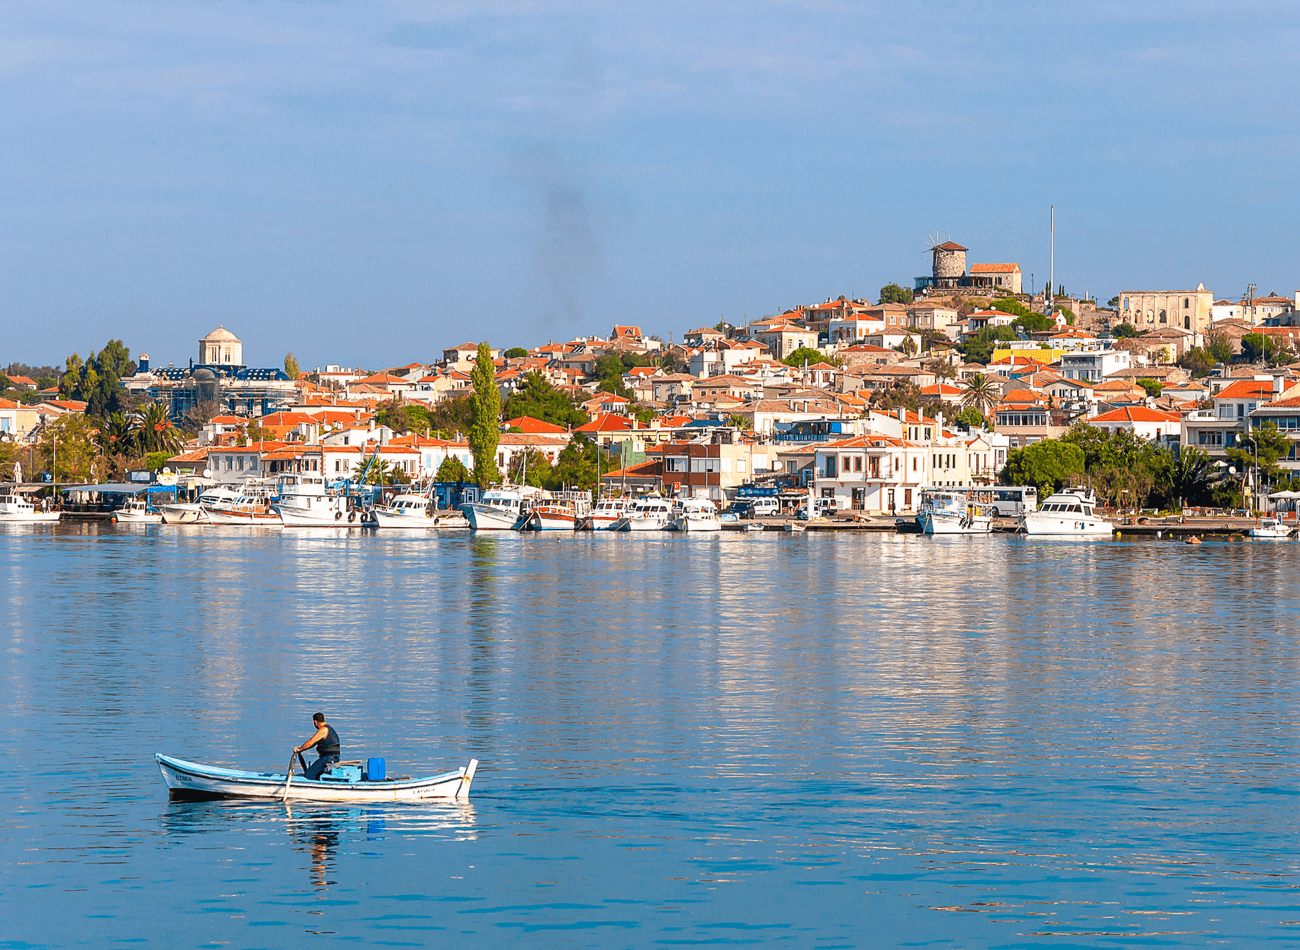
x: 109, y: 488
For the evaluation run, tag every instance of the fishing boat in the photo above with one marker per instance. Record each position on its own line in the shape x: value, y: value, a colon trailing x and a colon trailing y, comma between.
x: 607, y: 511
x: 795, y: 527
x: 501, y: 509
x: 15, y: 509
x: 195, y: 512
x: 1070, y: 513
x: 563, y: 511
x: 697, y: 515
x: 1270, y: 529
x: 648, y: 514
x: 306, y: 502
x: 137, y: 511
x: 407, y: 511
x: 754, y: 527
x: 345, y: 782
x: 943, y: 511
x: 252, y: 506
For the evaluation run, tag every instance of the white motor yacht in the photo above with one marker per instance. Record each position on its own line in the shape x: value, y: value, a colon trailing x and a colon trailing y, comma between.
x: 647, y: 514
x: 1071, y: 512
x: 608, y: 511
x: 1270, y: 529
x: 137, y: 511
x: 416, y: 511
x: 15, y: 509
x: 501, y: 509
x: 305, y: 502
x: 697, y: 515
x: 944, y: 511
x: 195, y: 512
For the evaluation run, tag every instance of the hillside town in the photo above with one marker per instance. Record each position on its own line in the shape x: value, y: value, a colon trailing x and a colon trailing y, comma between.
x: 949, y: 384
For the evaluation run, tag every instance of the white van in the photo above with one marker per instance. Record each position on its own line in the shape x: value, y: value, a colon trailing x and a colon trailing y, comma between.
x: 767, y: 507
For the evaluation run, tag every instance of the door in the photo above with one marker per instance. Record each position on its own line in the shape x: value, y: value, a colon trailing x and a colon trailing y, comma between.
x: 859, y: 498
x: 891, y: 499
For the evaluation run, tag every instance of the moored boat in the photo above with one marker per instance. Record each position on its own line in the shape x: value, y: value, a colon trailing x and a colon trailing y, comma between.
x: 945, y: 511
x: 137, y: 511
x: 501, y: 509
x: 252, y: 506
x: 306, y: 502
x: 648, y: 514
x: 1068, y: 513
x: 192, y: 780
x: 563, y: 511
x: 607, y: 511
x: 1270, y: 529
x: 195, y: 512
x: 15, y: 509
x: 697, y: 515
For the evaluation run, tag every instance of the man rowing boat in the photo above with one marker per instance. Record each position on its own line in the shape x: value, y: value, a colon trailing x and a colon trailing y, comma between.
x: 326, y: 742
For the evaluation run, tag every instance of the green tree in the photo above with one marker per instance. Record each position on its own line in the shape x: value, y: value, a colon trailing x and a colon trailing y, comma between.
x: 1258, y: 348
x: 642, y: 413
x: 118, y: 435
x: 980, y: 348
x: 671, y: 362
x: 1113, y: 302
x: 514, y: 353
x: 290, y: 366
x: 1265, y: 444
x: 530, y: 467
x: 576, y: 465
x: 155, y: 461
x: 970, y: 417
x: 1125, y: 331
x: 1032, y: 323
x: 484, y: 431
x: 892, y: 293
x: 453, y: 469
x: 1190, y: 478
x: 156, y: 433
x: 1218, y: 346
x: 1197, y: 362
x: 452, y: 415
x: 538, y: 398
x: 1050, y: 465
x: 405, y: 417
x: 980, y: 392
x: 812, y: 356
x: 67, y: 447
x: 1152, y: 386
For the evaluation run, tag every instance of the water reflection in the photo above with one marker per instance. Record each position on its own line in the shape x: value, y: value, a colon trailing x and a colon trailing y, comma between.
x: 320, y: 832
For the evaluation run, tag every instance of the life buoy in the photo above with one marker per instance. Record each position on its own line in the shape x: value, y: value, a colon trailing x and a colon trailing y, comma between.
x: 352, y: 516
x: 436, y: 522
x: 338, y: 515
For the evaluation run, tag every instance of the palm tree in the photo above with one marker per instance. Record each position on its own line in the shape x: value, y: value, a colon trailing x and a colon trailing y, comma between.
x: 1191, y: 475
x: 980, y: 391
x: 118, y: 435
x: 156, y: 433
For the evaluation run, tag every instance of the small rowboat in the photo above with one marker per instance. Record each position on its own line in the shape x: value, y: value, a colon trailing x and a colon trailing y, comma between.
x: 190, y: 781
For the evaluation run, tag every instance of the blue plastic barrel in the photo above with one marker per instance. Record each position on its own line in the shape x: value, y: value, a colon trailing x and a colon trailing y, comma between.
x: 375, y: 770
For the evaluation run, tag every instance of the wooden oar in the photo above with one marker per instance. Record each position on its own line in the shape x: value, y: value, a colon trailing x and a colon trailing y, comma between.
x: 289, y: 778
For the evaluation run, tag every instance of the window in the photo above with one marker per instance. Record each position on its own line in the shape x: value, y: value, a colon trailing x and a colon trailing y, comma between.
x: 857, y: 463
x: 1186, y: 303
x: 1163, y: 318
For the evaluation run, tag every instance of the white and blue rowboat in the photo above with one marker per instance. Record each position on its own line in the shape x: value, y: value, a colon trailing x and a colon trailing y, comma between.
x: 192, y: 781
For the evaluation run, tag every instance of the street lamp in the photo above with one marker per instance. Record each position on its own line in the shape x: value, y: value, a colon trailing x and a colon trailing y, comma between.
x: 1255, y: 489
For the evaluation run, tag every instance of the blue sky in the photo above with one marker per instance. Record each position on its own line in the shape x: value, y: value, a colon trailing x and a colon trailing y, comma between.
x: 369, y: 183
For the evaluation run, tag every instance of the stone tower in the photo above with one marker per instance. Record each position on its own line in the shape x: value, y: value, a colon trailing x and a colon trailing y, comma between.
x: 949, y: 261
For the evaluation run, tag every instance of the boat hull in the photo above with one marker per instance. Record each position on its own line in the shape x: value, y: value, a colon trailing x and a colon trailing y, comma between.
x: 226, y: 516
x: 491, y: 518
x: 544, y: 519
x: 695, y: 525
x: 443, y: 519
x: 184, y: 513
x: 1039, y: 525
x: 193, y: 781
x: 941, y: 524
x: 33, y: 517
x: 133, y: 517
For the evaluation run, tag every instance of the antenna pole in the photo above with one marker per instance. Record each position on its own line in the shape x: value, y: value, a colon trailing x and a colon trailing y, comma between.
x: 1051, y: 272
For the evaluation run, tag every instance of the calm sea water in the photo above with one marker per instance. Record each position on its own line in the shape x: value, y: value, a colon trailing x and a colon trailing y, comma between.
x: 850, y: 741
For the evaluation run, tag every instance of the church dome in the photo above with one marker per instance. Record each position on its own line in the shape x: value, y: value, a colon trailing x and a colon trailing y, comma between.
x: 220, y: 335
